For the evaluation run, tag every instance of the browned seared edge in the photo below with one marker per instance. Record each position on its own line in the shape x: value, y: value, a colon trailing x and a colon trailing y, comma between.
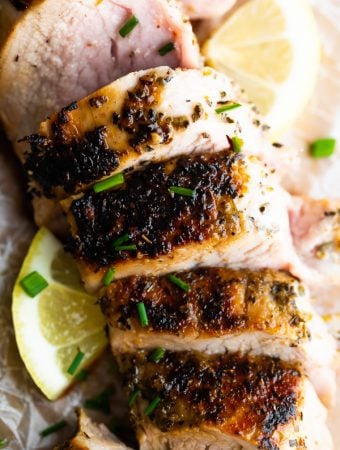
x: 220, y: 301
x: 156, y: 220
x: 249, y: 397
x: 21, y: 4
x: 65, y: 161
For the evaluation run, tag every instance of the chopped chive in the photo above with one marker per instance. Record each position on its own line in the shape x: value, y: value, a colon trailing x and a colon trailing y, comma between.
x: 53, y: 428
x: 227, y: 107
x: 181, y: 191
x: 157, y: 354
x: 152, y: 406
x: 33, y: 284
x: 129, y: 247
x: 128, y: 26
x: 75, y: 363
x: 109, y: 183
x: 82, y: 375
x: 178, y: 282
x: 133, y: 397
x: 100, y: 402
x: 121, y: 239
x: 322, y: 148
x: 237, y: 144
x: 166, y: 48
x: 109, y: 276
x: 143, y: 317
x: 3, y: 443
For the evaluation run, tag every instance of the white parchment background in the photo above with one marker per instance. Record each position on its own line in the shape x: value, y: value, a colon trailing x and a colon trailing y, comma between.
x: 23, y: 410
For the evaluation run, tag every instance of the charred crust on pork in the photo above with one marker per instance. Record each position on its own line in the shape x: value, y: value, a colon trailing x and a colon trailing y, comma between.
x: 69, y: 165
x: 220, y: 301
x: 144, y: 208
x: 240, y: 395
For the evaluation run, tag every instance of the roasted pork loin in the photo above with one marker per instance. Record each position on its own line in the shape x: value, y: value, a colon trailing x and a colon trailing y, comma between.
x: 235, y: 214
x: 259, y: 312
x: 145, y: 116
x: 188, y: 400
x: 56, y: 52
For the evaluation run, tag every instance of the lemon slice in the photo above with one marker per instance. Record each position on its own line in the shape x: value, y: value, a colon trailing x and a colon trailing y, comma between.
x: 59, y: 322
x: 271, y: 47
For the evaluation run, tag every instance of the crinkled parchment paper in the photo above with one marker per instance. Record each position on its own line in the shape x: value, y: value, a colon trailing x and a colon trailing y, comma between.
x: 23, y: 410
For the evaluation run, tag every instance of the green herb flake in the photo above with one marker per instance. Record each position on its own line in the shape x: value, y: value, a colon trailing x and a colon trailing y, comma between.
x: 109, y: 183
x: 109, y: 276
x: 152, y: 406
x: 157, y: 354
x: 128, y: 26
x: 142, y: 314
x: 76, y: 363
x: 33, y: 284
x: 100, y: 402
x: 121, y: 239
x: 3, y: 443
x: 167, y: 48
x: 178, y: 282
x: 133, y: 397
x: 237, y: 144
x: 130, y: 247
x: 322, y: 148
x: 182, y: 191
x: 53, y: 428
x: 227, y: 107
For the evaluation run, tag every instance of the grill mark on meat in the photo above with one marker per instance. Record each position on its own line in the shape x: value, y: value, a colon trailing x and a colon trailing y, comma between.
x: 243, y: 396
x: 69, y: 165
x: 220, y: 301
x: 145, y: 207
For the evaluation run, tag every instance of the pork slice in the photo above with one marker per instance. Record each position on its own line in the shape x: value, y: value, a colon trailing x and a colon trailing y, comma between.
x: 150, y: 115
x: 235, y: 214
x: 259, y: 312
x: 193, y: 401
x: 92, y: 436
x: 145, y: 116
x: 206, y: 9
x: 60, y: 51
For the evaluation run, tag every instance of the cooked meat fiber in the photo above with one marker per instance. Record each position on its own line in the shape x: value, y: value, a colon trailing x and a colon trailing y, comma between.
x: 216, y: 402
x: 145, y: 116
x: 235, y: 214
x: 92, y: 436
x: 60, y: 51
x: 206, y: 9
x: 258, y: 312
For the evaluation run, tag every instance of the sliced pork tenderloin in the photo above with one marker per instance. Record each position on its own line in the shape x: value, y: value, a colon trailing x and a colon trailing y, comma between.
x: 145, y: 116
x: 92, y: 436
x: 206, y: 9
x: 216, y: 310
x: 60, y: 51
x: 231, y: 212
x: 191, y: 401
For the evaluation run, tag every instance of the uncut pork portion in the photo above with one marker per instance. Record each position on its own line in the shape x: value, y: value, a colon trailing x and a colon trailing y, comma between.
x: 56, y: 52
x: 235, y: 214
x: 258, y: 312
x: 191, y: 401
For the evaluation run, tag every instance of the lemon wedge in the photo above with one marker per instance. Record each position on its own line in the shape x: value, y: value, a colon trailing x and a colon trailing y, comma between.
x: 59, y: 327
x: 271, y: 48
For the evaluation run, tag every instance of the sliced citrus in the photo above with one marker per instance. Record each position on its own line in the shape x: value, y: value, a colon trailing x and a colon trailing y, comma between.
x: 52, y: 327
x: 271, y: 48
